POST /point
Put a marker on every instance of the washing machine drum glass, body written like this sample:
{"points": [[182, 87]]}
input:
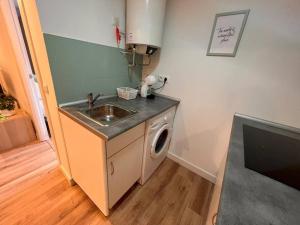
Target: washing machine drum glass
{"points": [[161, 141]]}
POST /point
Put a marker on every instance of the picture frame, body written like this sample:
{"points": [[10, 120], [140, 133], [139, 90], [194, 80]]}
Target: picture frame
{"points": [[227, 32]]}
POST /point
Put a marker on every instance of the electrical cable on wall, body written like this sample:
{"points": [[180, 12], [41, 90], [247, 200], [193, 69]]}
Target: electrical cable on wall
{"points": [[164, 83]]}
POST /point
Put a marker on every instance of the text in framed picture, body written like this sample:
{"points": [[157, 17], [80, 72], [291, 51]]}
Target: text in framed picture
{"points": [[226, 33]]}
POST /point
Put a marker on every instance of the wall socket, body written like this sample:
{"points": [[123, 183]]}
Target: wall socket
{"points": [[162, 77]]}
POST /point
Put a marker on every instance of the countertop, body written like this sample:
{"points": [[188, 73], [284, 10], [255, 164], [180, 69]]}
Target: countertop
{"points": [[249, 198], [146, 109]]}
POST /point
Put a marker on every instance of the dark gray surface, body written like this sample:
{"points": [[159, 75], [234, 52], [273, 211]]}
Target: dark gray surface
{"points": [[250, 198], [146, 109]]}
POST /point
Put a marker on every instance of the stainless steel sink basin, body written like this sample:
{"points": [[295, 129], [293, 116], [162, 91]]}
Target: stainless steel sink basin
{"points": [[107, 114]]}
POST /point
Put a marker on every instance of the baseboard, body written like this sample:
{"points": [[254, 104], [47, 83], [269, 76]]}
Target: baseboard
{"points": [[67, 175], [197, 170]]}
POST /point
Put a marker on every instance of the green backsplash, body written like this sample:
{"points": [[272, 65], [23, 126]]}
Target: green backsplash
{"points": [[80, 67]]}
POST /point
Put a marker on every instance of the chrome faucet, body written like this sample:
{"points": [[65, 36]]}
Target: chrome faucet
{"points": [[92, 100]]}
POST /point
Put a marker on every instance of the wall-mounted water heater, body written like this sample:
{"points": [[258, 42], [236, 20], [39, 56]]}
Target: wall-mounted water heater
{"points": [[144, 25]]}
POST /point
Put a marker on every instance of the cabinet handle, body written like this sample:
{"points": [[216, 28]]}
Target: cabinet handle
{"points": [[214, 219], [112, 168]]}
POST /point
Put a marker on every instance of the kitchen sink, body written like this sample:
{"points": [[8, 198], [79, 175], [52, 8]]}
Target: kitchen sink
{"points": [[107, 114]]}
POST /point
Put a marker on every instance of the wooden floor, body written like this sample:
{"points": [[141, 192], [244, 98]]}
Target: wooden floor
{"points": [[34, 191]]}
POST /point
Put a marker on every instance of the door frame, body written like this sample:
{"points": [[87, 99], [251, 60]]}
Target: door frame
{"points": [[14, 31], [34, 35]]}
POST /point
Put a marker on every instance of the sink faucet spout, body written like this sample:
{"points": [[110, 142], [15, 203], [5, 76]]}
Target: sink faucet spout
{"points": [[92, 100]]}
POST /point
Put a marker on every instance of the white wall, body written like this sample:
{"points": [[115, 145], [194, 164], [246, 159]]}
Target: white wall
{"points": [[86, 20], [262, 80]]}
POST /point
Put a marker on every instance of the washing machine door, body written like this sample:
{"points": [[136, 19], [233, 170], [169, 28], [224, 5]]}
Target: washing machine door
{"points": [[161, 141]]}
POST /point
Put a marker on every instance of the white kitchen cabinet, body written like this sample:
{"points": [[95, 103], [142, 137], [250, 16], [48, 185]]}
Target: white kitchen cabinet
{"points": [[104, 170], [87, 159], [124, 169], [118, 143]]}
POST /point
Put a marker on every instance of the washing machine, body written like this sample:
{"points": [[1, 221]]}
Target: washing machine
{"points": [[157, 141]]}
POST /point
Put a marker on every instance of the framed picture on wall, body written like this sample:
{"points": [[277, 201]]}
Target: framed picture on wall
{"points": [[226, 33]]}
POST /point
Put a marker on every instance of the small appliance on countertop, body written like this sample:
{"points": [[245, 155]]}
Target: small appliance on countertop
{"points": [[146, 85]]}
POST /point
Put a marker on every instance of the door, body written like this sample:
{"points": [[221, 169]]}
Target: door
{"points": [[124, 169], [36, 44], [8, 9]]}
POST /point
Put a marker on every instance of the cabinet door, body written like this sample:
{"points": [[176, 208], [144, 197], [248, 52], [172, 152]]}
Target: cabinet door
{"points": [[87, 159], [124, 169]]}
